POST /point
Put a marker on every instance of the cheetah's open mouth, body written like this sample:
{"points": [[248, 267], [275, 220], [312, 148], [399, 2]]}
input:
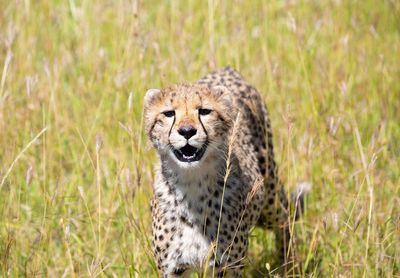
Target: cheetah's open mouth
{"points": [[189, 153]]}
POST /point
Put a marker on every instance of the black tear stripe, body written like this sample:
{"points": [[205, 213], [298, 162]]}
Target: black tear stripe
{"points": [[205, 130]]}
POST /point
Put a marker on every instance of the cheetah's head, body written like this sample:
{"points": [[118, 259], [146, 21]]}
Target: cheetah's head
{"points": [[189, 124]]}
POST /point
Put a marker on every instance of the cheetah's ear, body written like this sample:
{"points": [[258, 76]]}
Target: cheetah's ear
{"points": [[150, 96], [220, 90], [223, 94], [226, 101]]}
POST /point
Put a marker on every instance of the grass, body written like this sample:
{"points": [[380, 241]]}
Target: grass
{"points": [[76, 169]]}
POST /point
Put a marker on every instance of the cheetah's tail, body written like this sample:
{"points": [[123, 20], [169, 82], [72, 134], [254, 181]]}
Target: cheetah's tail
{"points": [[297, 197]]}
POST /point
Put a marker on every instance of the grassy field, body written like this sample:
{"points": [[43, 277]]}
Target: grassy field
{"points": [[76, 168]]}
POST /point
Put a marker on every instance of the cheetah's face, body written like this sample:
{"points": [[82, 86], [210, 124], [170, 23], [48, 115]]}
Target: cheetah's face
{"points": [[189, 123]]}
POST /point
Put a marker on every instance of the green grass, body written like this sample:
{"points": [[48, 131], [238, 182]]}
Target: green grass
{"points": [[73, 75]]}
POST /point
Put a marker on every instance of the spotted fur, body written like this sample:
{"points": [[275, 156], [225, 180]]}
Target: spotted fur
{"points": [[202, 213]]}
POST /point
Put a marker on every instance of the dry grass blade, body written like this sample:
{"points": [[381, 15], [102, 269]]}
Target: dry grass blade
{"points": [[231, 142], [19, 156]]}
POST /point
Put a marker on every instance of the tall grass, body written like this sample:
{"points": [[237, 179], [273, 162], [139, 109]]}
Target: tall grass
{"points": [[73, 71]]}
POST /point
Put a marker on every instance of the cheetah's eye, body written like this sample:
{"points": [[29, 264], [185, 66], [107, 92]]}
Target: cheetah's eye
{"points": [[169, 114], [203, 111]]}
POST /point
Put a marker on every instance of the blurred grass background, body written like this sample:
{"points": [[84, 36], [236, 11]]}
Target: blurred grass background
{"points": [[76, 169]]}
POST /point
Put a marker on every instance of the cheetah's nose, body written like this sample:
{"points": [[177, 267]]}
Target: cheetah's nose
{"points": [[187, 131]]}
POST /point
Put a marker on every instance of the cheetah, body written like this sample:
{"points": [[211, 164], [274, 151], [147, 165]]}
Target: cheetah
{"points": [[216, 177]]}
